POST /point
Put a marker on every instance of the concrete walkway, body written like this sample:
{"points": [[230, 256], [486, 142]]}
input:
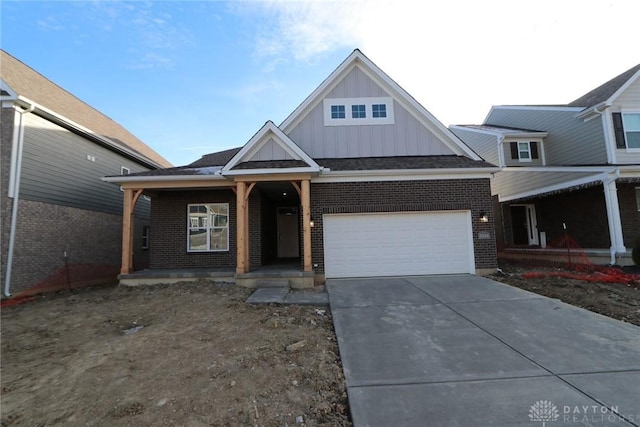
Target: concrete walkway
{"points": [[468, 351]]}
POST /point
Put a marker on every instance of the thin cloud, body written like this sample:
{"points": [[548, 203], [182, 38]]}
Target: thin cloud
{"points": [[50, 23]]}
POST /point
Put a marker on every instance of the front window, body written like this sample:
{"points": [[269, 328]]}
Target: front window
{"points": [[631, 124], [208, 227]]}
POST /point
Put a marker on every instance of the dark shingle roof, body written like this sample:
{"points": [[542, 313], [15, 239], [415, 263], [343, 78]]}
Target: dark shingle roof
{"points": [[604, 92], [405, 162], [219, 158]]}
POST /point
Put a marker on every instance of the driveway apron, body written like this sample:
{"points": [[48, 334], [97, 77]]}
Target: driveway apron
{"points": [[464, 350]]}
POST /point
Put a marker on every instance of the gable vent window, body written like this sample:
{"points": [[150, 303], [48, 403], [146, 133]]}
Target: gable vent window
{"points": [[524, 151], [626, 127], [337, 112], [363, 111]]}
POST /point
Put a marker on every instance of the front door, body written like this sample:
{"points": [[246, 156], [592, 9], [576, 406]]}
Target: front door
{"points": [[288, 233], [524, 225]]}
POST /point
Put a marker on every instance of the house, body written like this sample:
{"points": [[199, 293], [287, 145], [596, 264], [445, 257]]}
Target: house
{"points": [[571, 169], [60, 223], [359, 180]]}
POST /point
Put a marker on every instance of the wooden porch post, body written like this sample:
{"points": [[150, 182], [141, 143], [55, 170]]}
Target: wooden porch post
{"points": [[241, 220], [129, 203], [305, 198]]}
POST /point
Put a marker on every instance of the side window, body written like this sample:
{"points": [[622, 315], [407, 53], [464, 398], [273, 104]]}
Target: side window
{"points": [[524, 151], [146, 231], [626, 128]]}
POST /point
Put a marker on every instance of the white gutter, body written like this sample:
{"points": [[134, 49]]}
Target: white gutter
{"points": [[19, 138], [163, 178]]}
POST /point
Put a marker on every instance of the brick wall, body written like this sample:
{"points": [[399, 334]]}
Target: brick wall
{"points": [[169, 230], [6, 137], [91, 240], [361, 197], [629, 214]]}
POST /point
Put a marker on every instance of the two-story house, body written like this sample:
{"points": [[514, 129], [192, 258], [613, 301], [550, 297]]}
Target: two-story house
{"points": [[60, 223], [360, 180], [571, 169]]}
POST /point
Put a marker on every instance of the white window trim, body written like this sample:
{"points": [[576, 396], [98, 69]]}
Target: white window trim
{"points": [[521, 159], [624, 130], [146, 233], [367, 120], [208, 227]]}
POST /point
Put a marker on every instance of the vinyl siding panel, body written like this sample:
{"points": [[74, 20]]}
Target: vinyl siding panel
{"points": [[271, 150], [629, 100], [507, 184], [570, 141], [484, 144], [406, 137], [55, 170], [506, 149]]}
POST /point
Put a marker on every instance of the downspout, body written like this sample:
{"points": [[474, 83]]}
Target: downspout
{"points": [[16, 195]]}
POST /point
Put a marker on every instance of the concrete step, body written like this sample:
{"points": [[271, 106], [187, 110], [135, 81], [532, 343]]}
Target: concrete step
{"points": [[272, 283]]}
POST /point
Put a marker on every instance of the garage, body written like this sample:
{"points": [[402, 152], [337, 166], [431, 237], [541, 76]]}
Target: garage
{"points": [[398, 244]]}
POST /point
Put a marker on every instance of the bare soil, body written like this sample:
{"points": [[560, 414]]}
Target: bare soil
{"points": [[617, 300], [168, 355]]}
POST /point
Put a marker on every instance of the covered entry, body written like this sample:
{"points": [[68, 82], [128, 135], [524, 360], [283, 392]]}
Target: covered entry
{"points": [[392, 244]]}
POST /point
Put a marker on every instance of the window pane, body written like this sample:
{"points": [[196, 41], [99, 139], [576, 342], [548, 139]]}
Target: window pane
{"points": [[220, 221], [337, 112], [358, 112], [631, 122], [379, 110], [633, 139], [198, 239], [219, 239]]}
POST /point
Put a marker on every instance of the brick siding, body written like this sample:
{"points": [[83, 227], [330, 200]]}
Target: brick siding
{"points": [[629, 213]]}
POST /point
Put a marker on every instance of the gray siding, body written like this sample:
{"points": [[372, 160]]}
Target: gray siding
{"points": [[570, 141], [55, 170], [484, 144], [407, 137], [507, 184]]}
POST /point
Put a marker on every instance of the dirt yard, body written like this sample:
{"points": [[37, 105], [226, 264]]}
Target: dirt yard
{"points": [[188, 355], [615, 300]]}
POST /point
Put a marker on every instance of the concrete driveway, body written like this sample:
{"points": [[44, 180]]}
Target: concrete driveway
{"points": [[468, 351]]}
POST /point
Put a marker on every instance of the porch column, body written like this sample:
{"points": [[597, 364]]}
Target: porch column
{"points": [[613, 217], [305, 199], [242, 222], [128, 206]]}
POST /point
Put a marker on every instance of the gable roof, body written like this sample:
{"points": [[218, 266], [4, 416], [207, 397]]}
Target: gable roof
{"points": [[606, 91], [358, 59], [33, 86], [270, 133]]}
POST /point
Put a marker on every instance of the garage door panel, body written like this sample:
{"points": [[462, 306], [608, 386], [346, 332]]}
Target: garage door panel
{"points": [[398, 244]]}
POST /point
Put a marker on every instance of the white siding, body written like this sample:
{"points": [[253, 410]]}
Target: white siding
{"points": [[407, 137], [628, 100], [271, 150]]}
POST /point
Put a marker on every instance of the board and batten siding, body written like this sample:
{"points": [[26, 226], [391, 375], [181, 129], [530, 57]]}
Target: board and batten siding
{"points": [[406, 137], [56, 170], [508, 184], [484, 144], [570, 141]]}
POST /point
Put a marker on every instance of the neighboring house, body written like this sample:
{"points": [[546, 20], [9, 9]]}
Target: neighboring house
{"points": [[575, 166], [66, 227], [360, 180]]}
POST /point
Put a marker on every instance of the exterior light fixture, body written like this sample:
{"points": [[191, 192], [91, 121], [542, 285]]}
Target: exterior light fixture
{"points": [[484, 217]]}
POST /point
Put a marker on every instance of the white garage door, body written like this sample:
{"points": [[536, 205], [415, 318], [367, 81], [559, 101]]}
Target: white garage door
{"points": [[397, 244]]}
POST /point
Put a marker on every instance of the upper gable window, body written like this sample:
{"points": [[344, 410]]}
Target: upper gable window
{"points": [[379, 110], [337, 112], [363, 111], [626, 127], [358, 111]]}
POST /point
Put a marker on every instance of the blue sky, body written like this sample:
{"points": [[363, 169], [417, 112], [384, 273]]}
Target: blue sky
{"points": [[194, 77]]}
